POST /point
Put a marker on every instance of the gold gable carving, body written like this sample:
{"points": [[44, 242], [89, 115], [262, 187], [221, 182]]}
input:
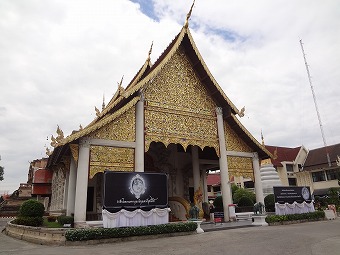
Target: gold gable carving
{"points": [[240, 166], [178, 108], [120, 129], [74, 151], [110, 158], [233, 141]]}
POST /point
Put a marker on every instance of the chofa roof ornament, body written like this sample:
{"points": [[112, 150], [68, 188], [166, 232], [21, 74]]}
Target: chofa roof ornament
{"points": [[186, 24]]}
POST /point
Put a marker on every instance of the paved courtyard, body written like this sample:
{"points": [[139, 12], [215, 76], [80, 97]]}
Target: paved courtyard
{"points": [[317, 238]]}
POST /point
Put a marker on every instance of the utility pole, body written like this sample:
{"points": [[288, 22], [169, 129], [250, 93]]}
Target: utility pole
{"points": [[316, 105]]}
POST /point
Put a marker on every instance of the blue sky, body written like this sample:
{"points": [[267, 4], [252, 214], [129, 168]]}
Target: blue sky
{"points": [[59, 57]]}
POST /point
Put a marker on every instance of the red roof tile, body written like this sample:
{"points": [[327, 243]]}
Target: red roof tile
{"points": [[317, 158], [214, 180], [283, 154]]}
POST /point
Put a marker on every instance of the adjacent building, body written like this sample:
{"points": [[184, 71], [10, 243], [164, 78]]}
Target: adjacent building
{"points": [[320, 173]]}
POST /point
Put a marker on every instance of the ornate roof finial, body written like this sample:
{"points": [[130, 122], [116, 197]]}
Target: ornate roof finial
{"points": [[60, 133], [97, 111], [80, 127], [48, 151], [103, 104], [53, 141], [262, 138], [186, 24], [241, 113], [120, 83], [149, 54]]}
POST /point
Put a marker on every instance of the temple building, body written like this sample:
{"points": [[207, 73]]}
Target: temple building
{"points": [[173, 118]]}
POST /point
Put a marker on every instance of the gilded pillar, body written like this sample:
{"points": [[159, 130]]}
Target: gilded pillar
{"points": [[82, 182], [225, 184], [139, 150], [257, 178], [71, 191]]}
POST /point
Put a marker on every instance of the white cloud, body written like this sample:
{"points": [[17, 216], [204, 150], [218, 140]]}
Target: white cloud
{"points": [[59, 57]]}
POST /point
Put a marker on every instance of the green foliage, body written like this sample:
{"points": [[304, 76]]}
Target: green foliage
{"points": [[65, 220], [104, 233], [243, 193], [292, 217], [218, 202], [269, 202], [2, 171], [29, 221], [32, 208], [245, 201], [234, 188], [53, 224], [333, 196]]}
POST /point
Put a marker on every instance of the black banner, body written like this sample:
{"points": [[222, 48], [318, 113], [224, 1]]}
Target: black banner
{"points": [[132, 190], [292, 194]]}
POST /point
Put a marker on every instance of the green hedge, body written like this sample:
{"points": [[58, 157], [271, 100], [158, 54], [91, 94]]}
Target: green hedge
{"points": [[105, 233], [65, 220], [292, 217], [29, 221]]}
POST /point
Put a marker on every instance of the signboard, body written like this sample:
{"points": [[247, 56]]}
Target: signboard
{"points": [[292, 194], [132, 190]]}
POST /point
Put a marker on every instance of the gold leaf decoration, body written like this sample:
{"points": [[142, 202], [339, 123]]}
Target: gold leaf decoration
{"points": [[233, 141], [121, 129], [178, 108], [240, 166], [110, 158]]}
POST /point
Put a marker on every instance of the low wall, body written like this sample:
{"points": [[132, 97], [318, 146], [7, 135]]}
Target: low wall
{"points": [[49, 236]]}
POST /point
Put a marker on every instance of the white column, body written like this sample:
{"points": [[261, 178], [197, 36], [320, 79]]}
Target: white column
{"points": [[71, 191], [205, 187], [225, 184], [195, 167], [82, 181], [257, 177], [139, 150]]}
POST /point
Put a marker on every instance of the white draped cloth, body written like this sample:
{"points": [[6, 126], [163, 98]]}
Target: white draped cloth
{"points": [[295, 208], [138, 217]]}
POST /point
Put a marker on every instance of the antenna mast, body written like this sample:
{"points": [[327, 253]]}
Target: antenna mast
{"points": [[316, 105]]}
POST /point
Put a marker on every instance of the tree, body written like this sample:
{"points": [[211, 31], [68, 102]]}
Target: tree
{"points": [[243, 193], [2, 173]]}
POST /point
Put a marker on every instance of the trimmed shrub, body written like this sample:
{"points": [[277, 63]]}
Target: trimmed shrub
{"points": [[245, 201], [32, 208], [29, 221], [30, 214], [105, 233], [65, 220], [269, 202], [317, 215]]}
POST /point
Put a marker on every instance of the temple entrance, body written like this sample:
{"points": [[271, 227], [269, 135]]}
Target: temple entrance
{"points": [[183, 180]]}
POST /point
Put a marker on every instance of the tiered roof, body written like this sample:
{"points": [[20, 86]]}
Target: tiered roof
{"points": [[124, 99]]}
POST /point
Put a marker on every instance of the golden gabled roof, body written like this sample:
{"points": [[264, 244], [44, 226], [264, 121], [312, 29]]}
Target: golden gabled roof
{"points": [[102, 122], [185, 38]]}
